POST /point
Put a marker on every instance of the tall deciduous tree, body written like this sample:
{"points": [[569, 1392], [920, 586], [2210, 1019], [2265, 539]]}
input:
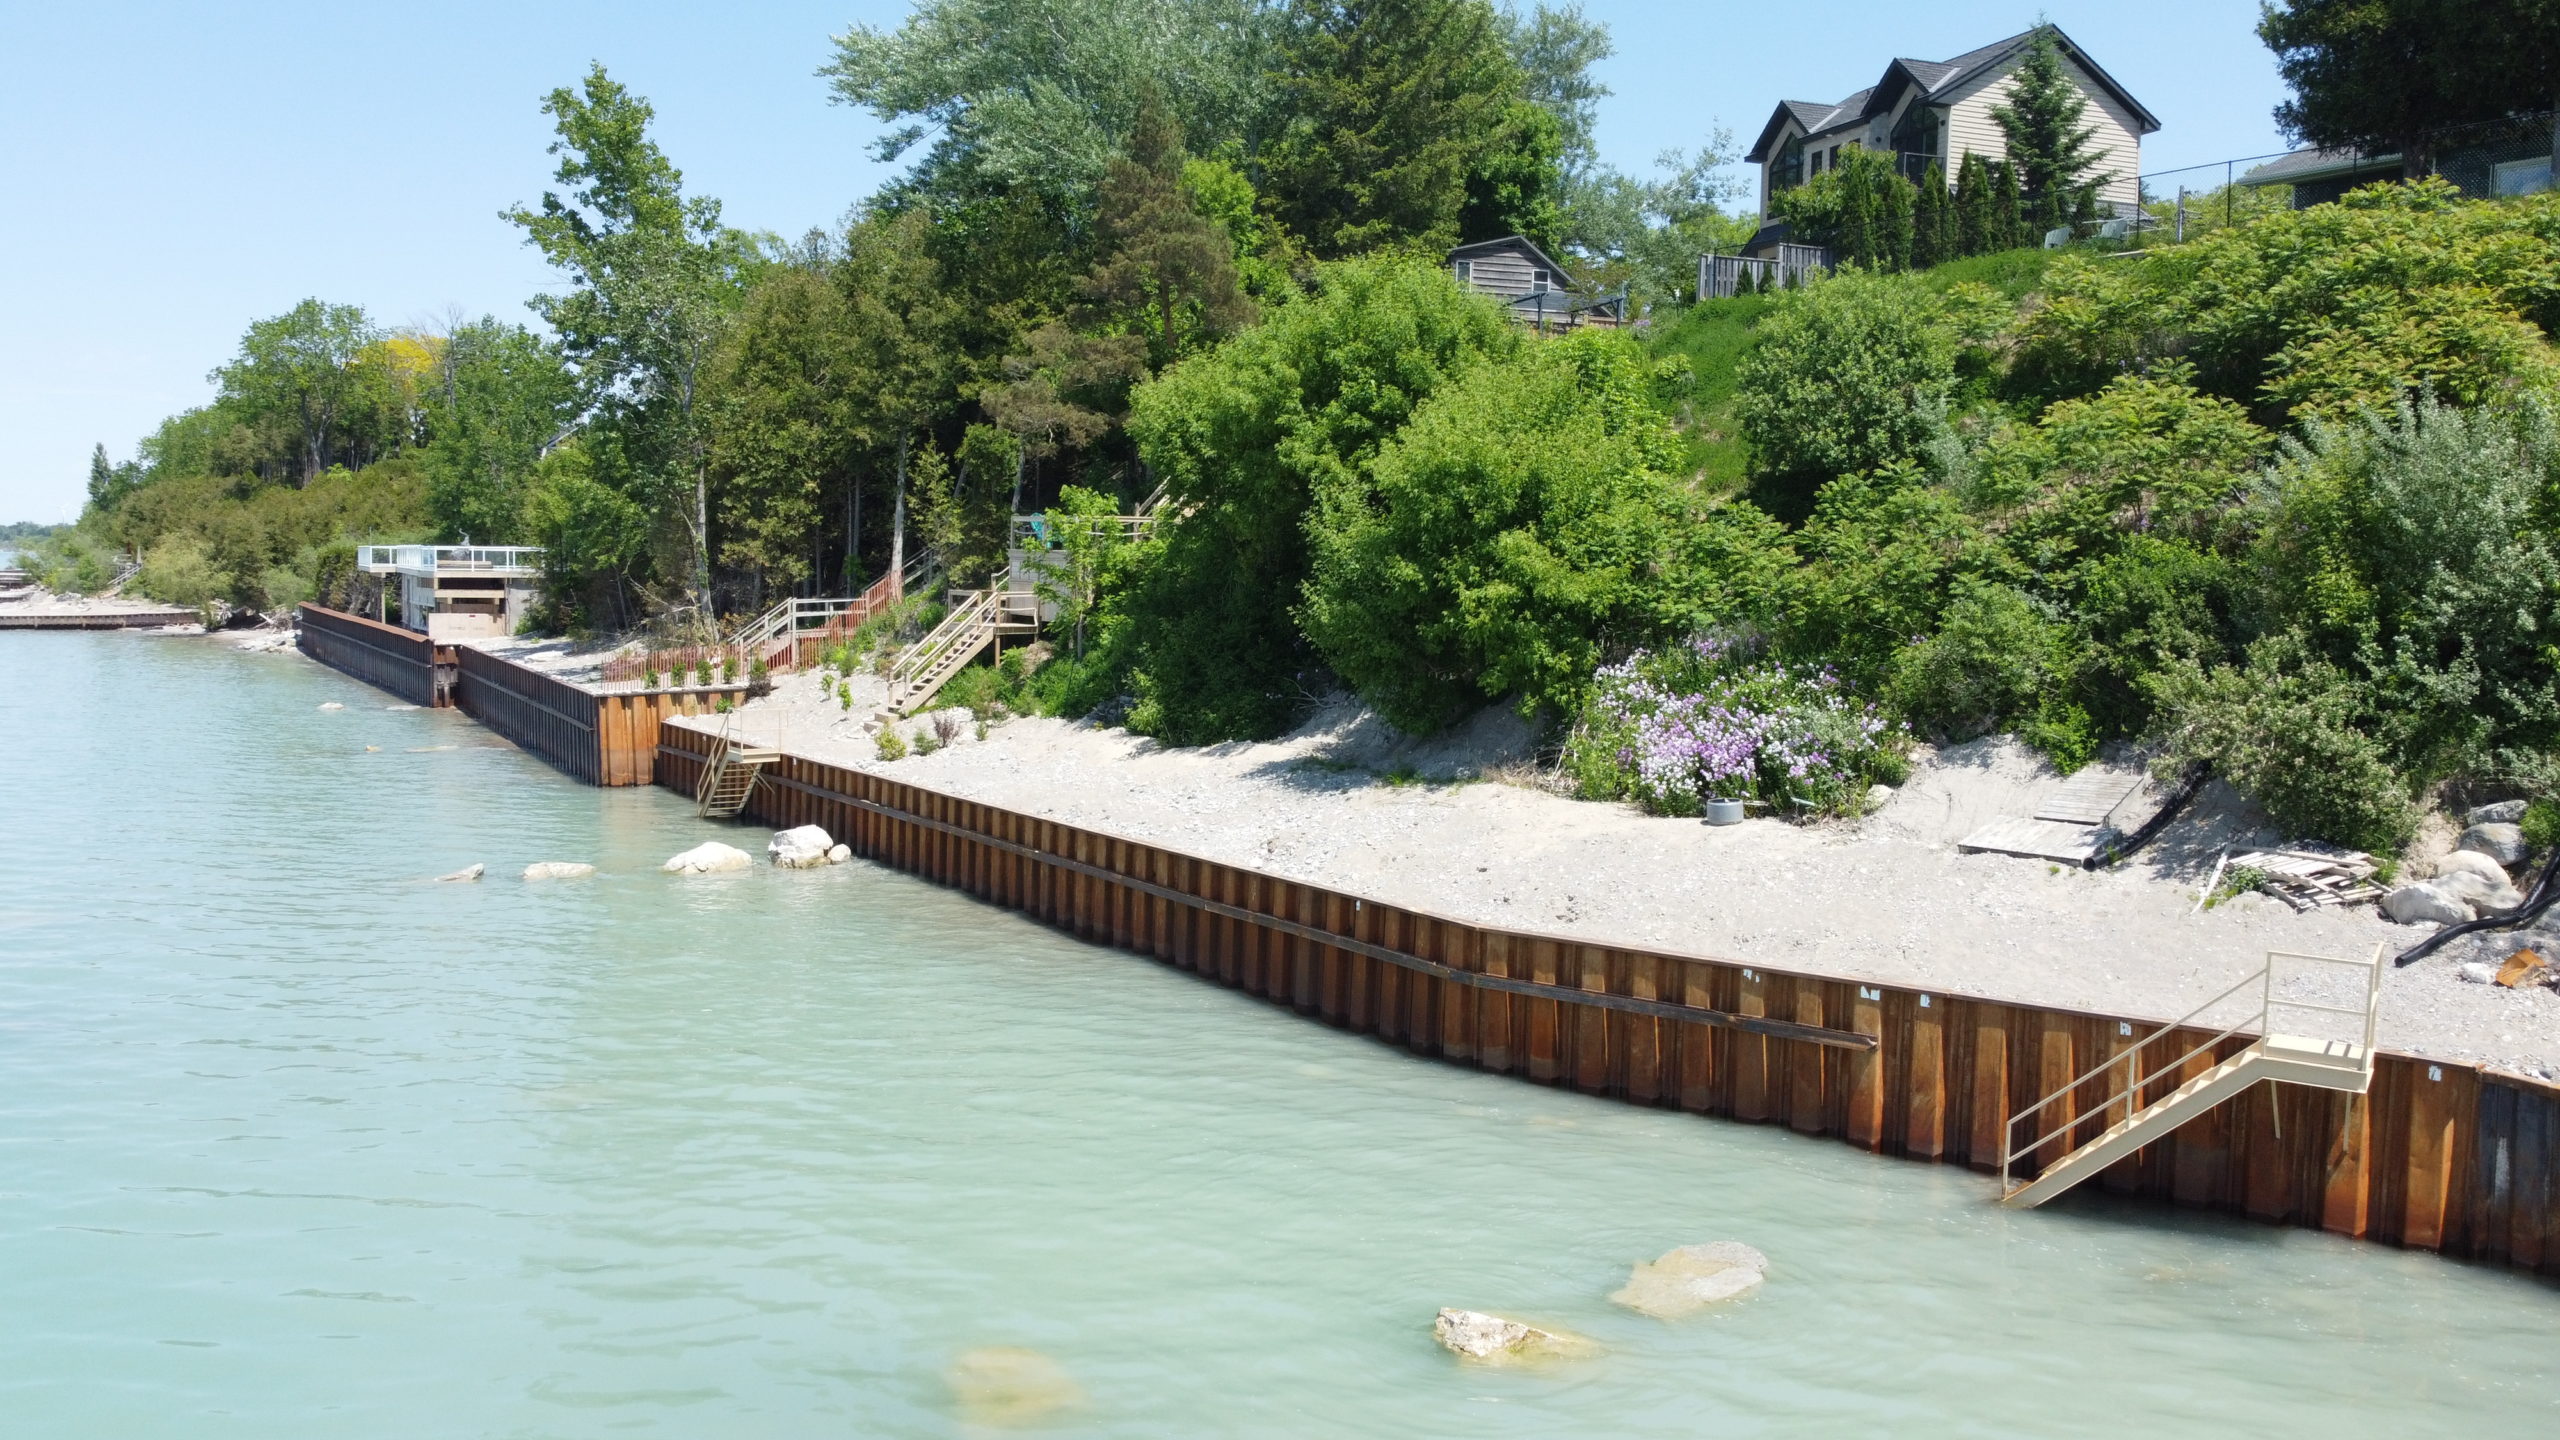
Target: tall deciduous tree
{"points": [[655, 279], [1390, 106], [498, 398], [2049, 149], [2384, 75], [1038, 95], [298, 369]]}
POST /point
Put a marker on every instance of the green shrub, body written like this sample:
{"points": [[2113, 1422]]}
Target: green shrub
{"points": [[1843, 376], [1521, 526], [1240, 437], [2291, 732], [889, 745], [2541, 825]]}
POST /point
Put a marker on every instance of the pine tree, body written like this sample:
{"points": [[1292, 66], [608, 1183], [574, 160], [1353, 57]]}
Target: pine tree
{"points": [[1897, 218], [1168, 272], [2008, 218], [1929, 217], [1858, 240], [1974, 233], [2049, 150], [1391, 108]]}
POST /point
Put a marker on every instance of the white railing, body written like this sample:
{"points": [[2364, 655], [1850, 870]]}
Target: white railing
{"points": [[512, 560], [1040, 532], [827, 615], [2258, 1024]]}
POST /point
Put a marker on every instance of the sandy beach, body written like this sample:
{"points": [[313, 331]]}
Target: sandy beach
{"points": [[1349, 803]]}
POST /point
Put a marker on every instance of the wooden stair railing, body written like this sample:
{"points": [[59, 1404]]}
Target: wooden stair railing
{"points": [[979, 619], [729, 776]]}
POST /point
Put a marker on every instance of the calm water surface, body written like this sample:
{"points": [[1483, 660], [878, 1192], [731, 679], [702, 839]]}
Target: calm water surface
{"points": [[294, 1143]]}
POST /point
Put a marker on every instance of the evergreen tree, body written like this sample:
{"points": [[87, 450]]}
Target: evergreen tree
{"points": [[1897, 218], [1859, 237], [2049, 150], [102, 476], [1930, 230], [2008, 217], [1392, 108], [1168, 272], [1976, 231]]}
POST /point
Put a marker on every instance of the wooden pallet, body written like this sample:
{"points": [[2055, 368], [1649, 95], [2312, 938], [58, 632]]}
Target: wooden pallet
{"points": [[2089, 797]]}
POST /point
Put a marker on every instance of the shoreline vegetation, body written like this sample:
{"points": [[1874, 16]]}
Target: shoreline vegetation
{"points": [[2277, 501]]}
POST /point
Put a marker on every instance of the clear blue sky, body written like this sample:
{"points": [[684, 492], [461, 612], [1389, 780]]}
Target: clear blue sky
{"points": [[177, 170]]}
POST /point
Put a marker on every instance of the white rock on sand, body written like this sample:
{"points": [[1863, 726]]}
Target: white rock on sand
{"points": [[1692, 1278], [1009, 1385], [2471, 862], [1494, 1340], [467, 872], [802, 847], [708, 858], [2426, 903], [558, 870]]}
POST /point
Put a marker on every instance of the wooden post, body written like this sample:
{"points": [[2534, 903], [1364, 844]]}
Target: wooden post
{"points": [[1925, 1123]]}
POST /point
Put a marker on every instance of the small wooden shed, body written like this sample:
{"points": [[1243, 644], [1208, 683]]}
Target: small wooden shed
{"points": [[1539, 291]]}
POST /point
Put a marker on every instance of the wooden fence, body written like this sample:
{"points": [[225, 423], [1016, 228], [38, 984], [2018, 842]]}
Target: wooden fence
{"points": [[2439, 1156], [601, 737], [403, 662]]}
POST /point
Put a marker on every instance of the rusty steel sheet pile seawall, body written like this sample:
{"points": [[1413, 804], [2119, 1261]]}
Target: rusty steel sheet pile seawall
{"points": [[2438, 1156]]}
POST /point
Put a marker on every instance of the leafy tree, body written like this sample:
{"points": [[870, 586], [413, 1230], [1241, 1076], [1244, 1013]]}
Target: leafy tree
{"points": [[1038, 95], [2382, 75], [784, 391], [1390, 107], [1523, 526], [904, 322], [2049, 151], [1555, 48], [1515, 186], [1648, 234], [296, 375], [1241, 437], [497, 398], [1090, 540], [655, 279], [1269, 261]]}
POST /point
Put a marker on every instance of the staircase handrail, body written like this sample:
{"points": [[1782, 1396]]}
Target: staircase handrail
{"points": [[964, 620], [2130, 1096]]}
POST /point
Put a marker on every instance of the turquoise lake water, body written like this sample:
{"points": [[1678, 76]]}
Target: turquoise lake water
{"points": [[296, 1143]]}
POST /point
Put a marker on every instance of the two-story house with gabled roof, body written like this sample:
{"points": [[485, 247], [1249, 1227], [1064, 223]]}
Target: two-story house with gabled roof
{"points": [[1928, 112]]}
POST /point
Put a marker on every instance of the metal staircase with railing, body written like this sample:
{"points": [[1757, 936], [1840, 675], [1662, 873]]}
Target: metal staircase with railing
{"points": [[729, 776], [977, 620], [2125, 1121]]}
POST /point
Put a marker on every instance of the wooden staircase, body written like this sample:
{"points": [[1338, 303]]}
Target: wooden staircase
{"points": [[2131, 1122], [980, 619], [729, 776]]}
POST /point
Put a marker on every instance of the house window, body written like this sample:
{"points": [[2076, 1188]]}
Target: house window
{"points": [[1788, 171], [2521, 177], [1539, 282], [1466, 272]]}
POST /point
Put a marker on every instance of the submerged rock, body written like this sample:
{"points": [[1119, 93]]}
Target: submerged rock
{"points": [[1692, 1278], [801, 847], [467, 872], [2499, 840], [331, 705], [558, 870], [1009, 1385], [708, 858], [2424, 904], [1495, 1340]]}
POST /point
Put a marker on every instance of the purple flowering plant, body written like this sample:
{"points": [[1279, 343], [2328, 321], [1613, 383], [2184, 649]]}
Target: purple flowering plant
{"points": [[1714, 718]]}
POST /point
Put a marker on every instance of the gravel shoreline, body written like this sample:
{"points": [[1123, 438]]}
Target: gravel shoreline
{"points": [[1885, 898]]}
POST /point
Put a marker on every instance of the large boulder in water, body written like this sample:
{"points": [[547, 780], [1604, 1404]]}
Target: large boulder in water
{"points": [[801, 847], [558, 870], [708, 858], [1008, 1385], [1494, 1340], [1692, 1278]]}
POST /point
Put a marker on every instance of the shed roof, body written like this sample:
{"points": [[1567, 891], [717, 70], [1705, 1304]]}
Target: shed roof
{"points": [[2314, 163], [1514, 242]]}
